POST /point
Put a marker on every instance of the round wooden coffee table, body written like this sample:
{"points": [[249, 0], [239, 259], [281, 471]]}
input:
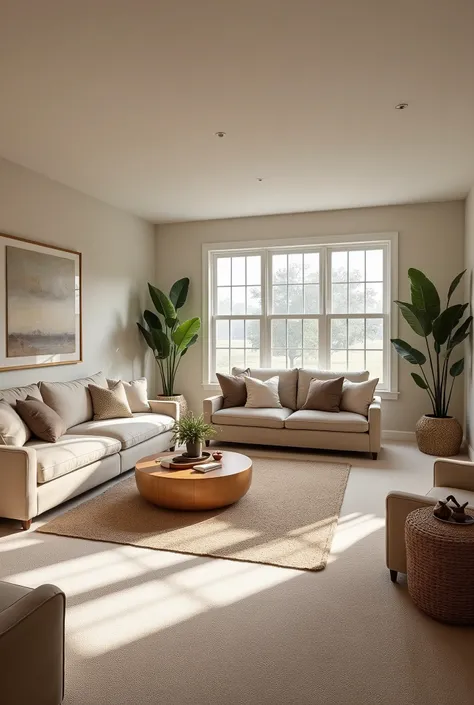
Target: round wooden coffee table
{"points": [[189, 490]]}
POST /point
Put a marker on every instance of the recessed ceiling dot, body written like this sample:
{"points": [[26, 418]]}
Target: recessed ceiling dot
{"points": [[220, 134], [401, 106], [259, 178]]}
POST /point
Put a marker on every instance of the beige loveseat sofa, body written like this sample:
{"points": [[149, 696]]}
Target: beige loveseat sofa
{"points": [[40, 475], [292, 425], [454, 477]]}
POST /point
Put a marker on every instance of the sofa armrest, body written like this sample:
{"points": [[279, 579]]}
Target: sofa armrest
{"points": [[375, 425], [398, 507], [211, 405], [32, 647], [18, 482], [454, 473], [168, 408]]}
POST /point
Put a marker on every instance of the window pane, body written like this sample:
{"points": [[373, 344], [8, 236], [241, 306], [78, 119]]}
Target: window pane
{"points": [[238, 271], [237, 333], [253, 269], [374, 298], [223, 300], [339, 266], [310, 334], [238, 299], [339, 298], [295, 269], [222, 334], [357, 266], [295, 357], [310, 358], [278, 333], [252, 357], [338, 360], [374, 333], [254, 300], [311, 298], [311, 268], [374, 363], [374, 265], [237, 357], [279, 267], [278, 357], [295, 333], [280, 299], [356, 298], [223, 271], [295, 298], [356, 333], [339, 333], [252, 335], [222, 361], [356, 360]]}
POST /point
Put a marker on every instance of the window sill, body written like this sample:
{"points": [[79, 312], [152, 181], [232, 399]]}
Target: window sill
{"points": [[383, 394]]}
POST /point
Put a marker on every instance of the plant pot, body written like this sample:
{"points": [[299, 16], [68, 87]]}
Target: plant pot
{"points": [[194, 450], [183, 404], [439, 436]]}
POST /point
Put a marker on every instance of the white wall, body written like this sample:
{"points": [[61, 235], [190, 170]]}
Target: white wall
{"points": [[118, 260], [431, 237], [469, 374]]}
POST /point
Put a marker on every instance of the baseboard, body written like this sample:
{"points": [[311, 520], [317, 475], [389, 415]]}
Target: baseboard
{"points": [[407, 436], [470, 451]]}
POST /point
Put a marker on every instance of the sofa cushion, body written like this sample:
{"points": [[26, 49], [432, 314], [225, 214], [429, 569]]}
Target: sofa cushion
{"points": [[109, 403], [129, 432], [233, 389], [461, 495], [358, 396], [287, 384], [262, 395], [41, 419], [14, 394], [344, 421], [244, 416], [324, 395], [305, 375], [13, 430], [137, 394], [71, 400], [70, 453]]}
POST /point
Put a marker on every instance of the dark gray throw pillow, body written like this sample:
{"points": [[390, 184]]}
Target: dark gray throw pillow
{"points": [[324, 395], [41, 419], [233, 388]]}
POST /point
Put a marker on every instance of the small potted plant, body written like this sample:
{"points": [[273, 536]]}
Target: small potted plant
{"points": [[193, 431]]}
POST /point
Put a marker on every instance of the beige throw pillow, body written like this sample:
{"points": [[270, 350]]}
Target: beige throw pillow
{"points": [[72, 400], [13, 431], [262, 395], [324, 395], [233, 389], [43, 422], [137, 394], [109, 403], [358, 396]]}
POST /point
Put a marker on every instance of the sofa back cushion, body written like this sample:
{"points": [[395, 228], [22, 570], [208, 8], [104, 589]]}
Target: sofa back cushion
{"points": [[13, 430], [305, 375], [72, 400], [14, 394], [288, 380]]}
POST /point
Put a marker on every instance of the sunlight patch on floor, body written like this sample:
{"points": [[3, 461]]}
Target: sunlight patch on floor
{"points": [[354, 530]]}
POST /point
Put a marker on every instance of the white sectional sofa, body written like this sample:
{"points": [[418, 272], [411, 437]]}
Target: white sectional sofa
{"points": [[292, 425], [39, 475]]}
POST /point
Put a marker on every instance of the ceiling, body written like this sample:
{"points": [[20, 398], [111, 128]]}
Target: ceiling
{"points": [[120, 99]]}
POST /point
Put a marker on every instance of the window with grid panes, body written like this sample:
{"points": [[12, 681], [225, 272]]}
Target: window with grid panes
{"points": [[323, 307]]}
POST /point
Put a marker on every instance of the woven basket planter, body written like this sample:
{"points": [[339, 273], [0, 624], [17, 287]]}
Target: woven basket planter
{"points": [[436, 436], [183, 404]]}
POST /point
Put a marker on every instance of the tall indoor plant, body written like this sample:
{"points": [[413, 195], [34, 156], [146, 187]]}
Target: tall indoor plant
{"points": [[168, 338], [443, 331]]}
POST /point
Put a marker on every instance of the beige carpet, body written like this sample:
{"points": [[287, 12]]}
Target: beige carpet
{"points": [[287, 518]]}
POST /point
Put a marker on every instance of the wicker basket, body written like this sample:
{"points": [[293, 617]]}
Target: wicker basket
{"points": [[440, 567], [183, 404], [437, 436]]}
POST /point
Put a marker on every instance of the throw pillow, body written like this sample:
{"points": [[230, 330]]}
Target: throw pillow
{"points": [[109, 403], [262, 395], [137, 394], [13, 431], [43, 422], [358, 396], [324, 395], [233, 388]]}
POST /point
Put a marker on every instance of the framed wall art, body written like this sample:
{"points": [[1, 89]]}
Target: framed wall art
{"points": [[41, 304]]}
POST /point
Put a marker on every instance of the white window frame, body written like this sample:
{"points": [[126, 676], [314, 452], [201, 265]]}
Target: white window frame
{"points": [[386, 240]]}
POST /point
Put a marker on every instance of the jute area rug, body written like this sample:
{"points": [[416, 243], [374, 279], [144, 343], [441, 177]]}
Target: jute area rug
{"points": [[287, 518]]}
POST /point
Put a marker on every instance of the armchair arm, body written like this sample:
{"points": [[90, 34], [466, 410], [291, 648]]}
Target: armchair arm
{"points": [[398, 507], [454, 473], [211, 405], [18, 482], [169, 408], [32, 644], [375, 425]]}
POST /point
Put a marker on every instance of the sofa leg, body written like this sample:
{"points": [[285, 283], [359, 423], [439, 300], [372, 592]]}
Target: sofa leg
{"points": [[375, 456], [393, 575], [25, 524], [208, 443], [172, 448]]}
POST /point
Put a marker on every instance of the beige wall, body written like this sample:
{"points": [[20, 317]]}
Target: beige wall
{"points": [[118, 259], [469, 374], [431, 237]]}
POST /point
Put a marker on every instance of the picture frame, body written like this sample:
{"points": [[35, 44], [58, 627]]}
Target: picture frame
{"points": [[41, 303]]}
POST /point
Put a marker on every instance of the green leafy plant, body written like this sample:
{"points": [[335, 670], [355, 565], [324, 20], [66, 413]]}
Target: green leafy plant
{"points": [[192, 429], [168, 338], [442, 331]]}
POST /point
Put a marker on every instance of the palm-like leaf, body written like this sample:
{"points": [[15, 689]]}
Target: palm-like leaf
{"points": [[179, 292], [418, 320], [185, 332], [407, 352], [454, 284], [447, 321], [424, 295], [162, 303]]}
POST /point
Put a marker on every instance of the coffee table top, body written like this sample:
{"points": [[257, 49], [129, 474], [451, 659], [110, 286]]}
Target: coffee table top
{"points": [[232, 464]]}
